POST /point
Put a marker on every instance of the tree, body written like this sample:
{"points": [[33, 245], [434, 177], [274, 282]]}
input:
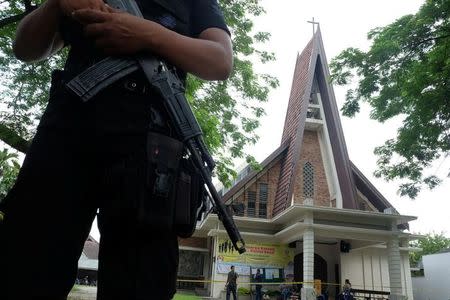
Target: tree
{"points": [[228, 111], [9, 168], [432, 243], [405, 73]]}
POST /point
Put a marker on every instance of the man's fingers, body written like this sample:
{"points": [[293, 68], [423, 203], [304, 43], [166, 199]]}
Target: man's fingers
{"points": [[112, 9], [103, 8], [88, 16]]}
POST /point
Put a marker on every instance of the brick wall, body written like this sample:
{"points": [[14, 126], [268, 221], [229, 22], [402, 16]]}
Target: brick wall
{"points": [[362, 203], [310, 151], [270, 177], [194, 242]]}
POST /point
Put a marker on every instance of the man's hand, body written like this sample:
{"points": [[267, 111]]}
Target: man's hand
{"points": [[67, 7], [115, 32]]}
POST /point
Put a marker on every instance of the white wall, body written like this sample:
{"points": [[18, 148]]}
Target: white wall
{"points": [[86, 263], [406, 276], [436, 283], [420, 288], [368, 269]]}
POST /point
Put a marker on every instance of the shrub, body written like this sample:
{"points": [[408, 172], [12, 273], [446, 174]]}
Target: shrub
{"points": [[243, 291]]}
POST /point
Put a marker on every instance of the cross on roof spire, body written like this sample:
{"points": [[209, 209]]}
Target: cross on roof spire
{"points": [[313, 24]]}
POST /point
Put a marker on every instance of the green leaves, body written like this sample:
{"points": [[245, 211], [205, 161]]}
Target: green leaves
{"points": [[406, 72], [351, 106], [228, 112], [432, 243], [9, 169], [25, 86]]}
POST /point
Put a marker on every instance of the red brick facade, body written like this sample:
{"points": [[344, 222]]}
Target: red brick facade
{"points": [[270, 177], [310, 152]]}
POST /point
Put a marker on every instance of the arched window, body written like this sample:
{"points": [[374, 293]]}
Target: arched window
{"points": [[308, 180]]}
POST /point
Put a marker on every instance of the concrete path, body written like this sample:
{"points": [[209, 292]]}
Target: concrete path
{"points": [[83, 292]]}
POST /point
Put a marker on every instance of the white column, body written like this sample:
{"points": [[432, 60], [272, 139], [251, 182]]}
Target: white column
{"points": [[213, 264], [395, 269], [308, 260], [209, 264]]}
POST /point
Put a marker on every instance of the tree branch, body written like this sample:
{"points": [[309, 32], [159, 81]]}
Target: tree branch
{"points": [[432, 38], [8, 20], [12, 19], [412, 46], [14, 140], [28, 6]]}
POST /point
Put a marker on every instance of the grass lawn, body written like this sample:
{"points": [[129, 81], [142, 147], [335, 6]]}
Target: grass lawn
{"points": [[185, 297], [80, 293], [75, 288]]}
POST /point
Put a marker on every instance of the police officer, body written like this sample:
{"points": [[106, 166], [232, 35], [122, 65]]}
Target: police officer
{"points": [[90, 158], [231, 284], [258, 286]]}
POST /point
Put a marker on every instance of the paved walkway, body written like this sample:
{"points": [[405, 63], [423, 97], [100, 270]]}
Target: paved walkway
{"points": [[83, 292]]}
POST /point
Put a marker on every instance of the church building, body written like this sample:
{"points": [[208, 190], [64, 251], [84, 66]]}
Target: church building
{"points": [[308, 216]]}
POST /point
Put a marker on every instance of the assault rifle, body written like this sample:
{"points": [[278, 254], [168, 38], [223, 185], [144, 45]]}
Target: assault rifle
{"points": [[101, 75]]}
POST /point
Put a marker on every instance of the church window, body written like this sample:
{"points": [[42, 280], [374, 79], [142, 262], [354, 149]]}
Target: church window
{"points": [[314, 98], [308, 180], [362, 206], [238, 208], [251, 203], [263, 195]]}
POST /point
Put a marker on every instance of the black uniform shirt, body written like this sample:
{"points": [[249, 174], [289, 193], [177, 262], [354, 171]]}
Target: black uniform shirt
{"points": [[187, 17], [114, 110], [232, 278]]}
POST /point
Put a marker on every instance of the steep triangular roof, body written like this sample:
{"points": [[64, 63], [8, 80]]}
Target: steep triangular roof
{"points": [[369, 190], [91, 248], [275, 155], [312, 63], [311, 72]]}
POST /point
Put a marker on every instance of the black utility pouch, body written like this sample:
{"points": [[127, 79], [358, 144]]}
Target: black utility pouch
{"points": [[156, 211], [189, 199]]}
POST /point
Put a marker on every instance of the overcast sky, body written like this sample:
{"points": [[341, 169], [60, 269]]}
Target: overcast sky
{"points": [[344, 24]]}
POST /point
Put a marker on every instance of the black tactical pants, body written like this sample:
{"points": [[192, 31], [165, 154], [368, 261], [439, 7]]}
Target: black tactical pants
{"points": [[86, 158]]}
